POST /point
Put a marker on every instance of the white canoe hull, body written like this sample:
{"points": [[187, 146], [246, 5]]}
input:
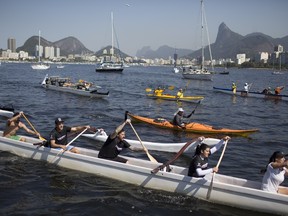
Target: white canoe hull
{"points": [[6, 113], [155, 146], [227, 190]]}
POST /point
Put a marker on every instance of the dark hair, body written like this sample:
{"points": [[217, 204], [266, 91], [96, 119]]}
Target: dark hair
{"points": [[201, 147], [276, 154], [121, 131], [15, 114]]}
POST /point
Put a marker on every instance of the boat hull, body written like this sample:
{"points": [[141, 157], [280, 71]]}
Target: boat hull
{"points": [[109, 67], [193, 127], [111, 70], [174, 98], [93, 93], [198, 76], [252, 94], [40, 67], [227, 190]]}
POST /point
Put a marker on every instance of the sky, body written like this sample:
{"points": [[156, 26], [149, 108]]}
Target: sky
{"points": [[138, 23]]}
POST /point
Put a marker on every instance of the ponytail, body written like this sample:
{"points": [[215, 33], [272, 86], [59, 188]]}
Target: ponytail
{"points": [[200, 148]]}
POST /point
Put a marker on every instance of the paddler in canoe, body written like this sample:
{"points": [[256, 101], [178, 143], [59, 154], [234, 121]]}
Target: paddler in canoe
{"points": [[180, 94], [158, 91]]}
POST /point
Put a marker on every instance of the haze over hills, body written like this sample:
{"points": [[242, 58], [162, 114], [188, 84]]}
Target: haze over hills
{"points": [[227, 45], [162, 52]]}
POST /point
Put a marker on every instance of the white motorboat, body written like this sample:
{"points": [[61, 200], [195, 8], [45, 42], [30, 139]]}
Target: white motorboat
{"points": [[64, 85]]}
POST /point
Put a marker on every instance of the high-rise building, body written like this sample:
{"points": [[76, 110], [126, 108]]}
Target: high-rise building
{"points": [[11, 44], [278, 48]]}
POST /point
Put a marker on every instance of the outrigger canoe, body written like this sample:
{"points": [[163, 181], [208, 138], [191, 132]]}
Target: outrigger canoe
{"points": [[6, 111], [101, 136], [63, 84], [174, 98], [193, 127], [226, 190], [252, 94]]}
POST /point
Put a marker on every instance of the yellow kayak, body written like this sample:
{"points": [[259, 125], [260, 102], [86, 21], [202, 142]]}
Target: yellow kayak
{"points": [[192, 127], [174, 98]]}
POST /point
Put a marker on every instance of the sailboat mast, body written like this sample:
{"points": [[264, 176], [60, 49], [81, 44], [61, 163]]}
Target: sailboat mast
{"points": [[112, 26], [39, 47], [202, 47]]}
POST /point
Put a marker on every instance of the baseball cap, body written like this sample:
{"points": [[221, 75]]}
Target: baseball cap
{"points": [[58, 120]]}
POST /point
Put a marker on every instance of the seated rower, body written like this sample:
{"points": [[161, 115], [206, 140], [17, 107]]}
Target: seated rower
{"points": [[199, 164], [115, 143], [180, 93], [178, 118], [278, 90], [158, 91], [13, 125]]}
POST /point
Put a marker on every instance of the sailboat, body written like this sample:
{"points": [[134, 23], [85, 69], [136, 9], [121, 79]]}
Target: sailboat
{"points": [[278, 72], [201, 73], [40, 65], [108, 65]]}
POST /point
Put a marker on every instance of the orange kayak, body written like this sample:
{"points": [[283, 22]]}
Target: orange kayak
{"points": [[193, 127]]}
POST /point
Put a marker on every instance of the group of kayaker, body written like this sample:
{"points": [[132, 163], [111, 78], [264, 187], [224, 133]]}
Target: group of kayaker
{"points": [[267, 90], [275, 171]]}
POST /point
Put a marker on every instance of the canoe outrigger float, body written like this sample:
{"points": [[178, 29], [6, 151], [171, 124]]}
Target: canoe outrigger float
{"points": [[270, 96], [227, 190], [101, 136], [192, 127], [175, 98]]}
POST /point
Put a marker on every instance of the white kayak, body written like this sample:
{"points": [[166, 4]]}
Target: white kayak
{"points": [[101, 136]]}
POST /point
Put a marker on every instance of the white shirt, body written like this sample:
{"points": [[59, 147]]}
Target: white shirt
{"points": [[246, 88], [273, 178]]}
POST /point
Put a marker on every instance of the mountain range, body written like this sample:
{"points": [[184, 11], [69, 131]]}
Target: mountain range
{"points": [[227, 45]]}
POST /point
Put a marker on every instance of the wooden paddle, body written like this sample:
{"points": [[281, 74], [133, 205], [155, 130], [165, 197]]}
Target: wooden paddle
{"points": [[145, 149], [41, 138], [220, 159], [154, 171], [69, 144]]}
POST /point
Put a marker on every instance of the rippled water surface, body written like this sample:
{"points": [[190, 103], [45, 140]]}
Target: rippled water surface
{"points": [[29, 187]]}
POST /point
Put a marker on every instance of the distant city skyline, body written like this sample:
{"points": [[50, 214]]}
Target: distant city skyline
{"points": [[138, 23]]}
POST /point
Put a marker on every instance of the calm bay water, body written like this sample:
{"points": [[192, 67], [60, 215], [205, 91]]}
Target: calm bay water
{"points": [[29, 187]]}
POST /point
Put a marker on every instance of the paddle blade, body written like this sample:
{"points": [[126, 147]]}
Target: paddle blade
{"points": [[171, 87], [148, 89], [151, 158], [210, 187]]}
